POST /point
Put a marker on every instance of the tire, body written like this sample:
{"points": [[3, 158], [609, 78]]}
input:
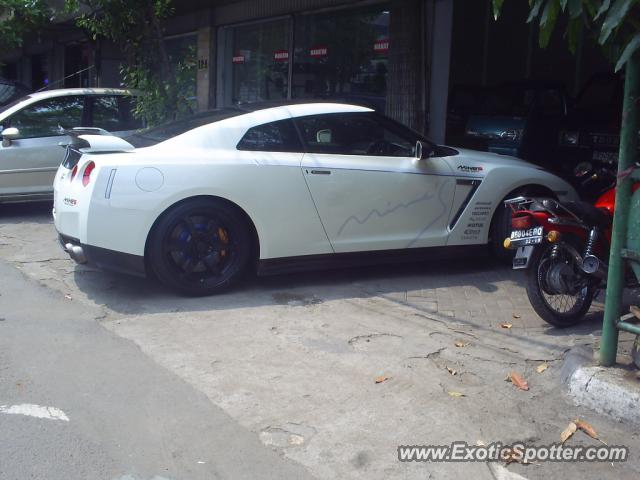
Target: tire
{"points": [[536, 294], [200, 247], [501, 229]]}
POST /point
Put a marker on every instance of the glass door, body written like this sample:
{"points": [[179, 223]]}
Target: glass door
{"points": [[257, 56]]}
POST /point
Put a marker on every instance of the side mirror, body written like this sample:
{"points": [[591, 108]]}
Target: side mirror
{"points": [[423, 151], [9, 134]]}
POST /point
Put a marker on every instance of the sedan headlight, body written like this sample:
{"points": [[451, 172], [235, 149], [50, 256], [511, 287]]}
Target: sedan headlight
{"points": [[513, 134], [569, 138]]}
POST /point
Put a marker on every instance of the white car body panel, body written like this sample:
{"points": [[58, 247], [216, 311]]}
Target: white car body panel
{"points": [[373, 203], [366, 203]]}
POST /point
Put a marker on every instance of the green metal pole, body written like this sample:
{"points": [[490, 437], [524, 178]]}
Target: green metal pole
{"points": [[626, 159]]}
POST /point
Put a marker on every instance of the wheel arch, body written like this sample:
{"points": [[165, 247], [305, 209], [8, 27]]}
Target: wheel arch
{"points": [[255, 253], [528, 189], [495, 238]]}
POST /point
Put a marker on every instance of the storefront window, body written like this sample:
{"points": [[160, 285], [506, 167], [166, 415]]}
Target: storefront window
{"points": [[258, 56], [342, 54], [182, 56]]}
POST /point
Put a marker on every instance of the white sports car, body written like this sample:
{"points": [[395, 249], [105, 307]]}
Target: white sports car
{"points": [[290, 187]]}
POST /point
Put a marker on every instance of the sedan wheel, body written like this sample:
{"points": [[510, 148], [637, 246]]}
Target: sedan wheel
{"points": [[200, 247]]}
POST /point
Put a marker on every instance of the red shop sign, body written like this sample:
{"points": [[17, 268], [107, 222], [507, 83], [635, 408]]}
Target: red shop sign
{"points": [[281, 55], [318, 51], [381, 46], [238, 58]]}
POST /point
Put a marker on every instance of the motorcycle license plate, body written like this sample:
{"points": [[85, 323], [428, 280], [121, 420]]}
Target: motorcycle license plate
{"points": [[523, 255], [526, 236]]}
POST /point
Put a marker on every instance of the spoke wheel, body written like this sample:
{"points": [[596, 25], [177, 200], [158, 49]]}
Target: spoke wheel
{"points": [[200, 247], [558, 291]]}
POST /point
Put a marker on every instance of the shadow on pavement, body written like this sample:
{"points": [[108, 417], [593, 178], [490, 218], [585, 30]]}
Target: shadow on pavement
{"points": [[129, 295], [34, 212]]}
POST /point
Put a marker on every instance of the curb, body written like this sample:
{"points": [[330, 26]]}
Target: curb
{"points": [[610, 391]]}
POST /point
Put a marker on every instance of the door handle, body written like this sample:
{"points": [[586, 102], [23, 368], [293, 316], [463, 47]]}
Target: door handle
{"points": [[320, 172]]}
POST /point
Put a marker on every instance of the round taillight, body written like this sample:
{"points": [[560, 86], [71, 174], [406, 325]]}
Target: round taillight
{"points": [[86, 175], [74, 172]]}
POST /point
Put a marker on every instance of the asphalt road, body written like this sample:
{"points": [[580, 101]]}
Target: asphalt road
{"points": [[114, 413]]}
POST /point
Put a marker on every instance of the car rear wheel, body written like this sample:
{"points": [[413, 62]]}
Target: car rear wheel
{"points": [[200, 247]]}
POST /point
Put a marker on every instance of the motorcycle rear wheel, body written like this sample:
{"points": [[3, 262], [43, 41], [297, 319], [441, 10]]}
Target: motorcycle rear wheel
{"points": [[558, 309]]}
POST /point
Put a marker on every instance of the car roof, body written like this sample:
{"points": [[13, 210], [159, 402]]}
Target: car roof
{"points": [[235, 122], [59, 92], [22, 102]]}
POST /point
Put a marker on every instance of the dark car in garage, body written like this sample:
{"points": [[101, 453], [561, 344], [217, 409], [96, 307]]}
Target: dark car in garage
{"points": [[521, 119], [591, 133]]}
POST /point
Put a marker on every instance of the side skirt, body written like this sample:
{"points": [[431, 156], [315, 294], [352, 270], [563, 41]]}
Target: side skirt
{"points": [[277, 266]]}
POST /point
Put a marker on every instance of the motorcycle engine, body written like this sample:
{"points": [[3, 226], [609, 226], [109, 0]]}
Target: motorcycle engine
{"points": [[561, 280]]}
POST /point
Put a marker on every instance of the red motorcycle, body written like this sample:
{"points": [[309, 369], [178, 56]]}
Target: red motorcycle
{"points": [[565, 249]]}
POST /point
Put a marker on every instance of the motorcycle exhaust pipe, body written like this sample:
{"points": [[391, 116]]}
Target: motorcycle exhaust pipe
{"points": [[591, 265]]}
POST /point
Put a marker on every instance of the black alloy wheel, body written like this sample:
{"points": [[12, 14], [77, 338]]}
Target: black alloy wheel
{"points": [[200, 247]]}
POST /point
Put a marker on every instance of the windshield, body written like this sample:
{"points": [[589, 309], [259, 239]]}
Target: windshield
{"points": [[160, 133]]}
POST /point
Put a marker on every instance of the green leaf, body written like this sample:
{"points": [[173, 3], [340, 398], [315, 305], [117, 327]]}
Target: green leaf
{"points": [[603, 8], [573, 33], [548, 22], [535, 10], [497, 8], [615, 17], [550, 12], [575, 8], [629, 50], [591, 6]]}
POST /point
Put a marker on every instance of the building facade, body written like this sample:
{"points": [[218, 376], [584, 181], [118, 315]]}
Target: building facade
{"points": [[401, 56]]}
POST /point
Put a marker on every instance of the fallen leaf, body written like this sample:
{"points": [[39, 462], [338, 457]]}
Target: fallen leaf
{"points": [[452, 371], [480, 443], [518, 381], [67, 296], [586, 428], [515, 315], [542, 367], [506, 325], [381, 379], [635, 310], [456, 394], [568, 432], [461, 344]]}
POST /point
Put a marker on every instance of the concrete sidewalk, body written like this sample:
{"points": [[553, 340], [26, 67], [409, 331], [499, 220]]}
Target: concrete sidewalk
{"points": [[614, 391]]}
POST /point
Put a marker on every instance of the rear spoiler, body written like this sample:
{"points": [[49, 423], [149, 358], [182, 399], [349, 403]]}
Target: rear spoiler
{"points": [[96, 140]]}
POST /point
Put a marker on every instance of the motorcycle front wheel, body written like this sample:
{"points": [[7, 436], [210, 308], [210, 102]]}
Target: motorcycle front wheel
{"points": [[558, 290]]}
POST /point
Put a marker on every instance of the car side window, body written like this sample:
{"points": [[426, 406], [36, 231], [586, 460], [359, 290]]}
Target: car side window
{"points": [[356, 134], [280, 136], [43, 119], [113, 113]]}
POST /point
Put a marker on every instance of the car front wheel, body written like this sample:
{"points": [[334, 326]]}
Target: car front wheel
{"points": [[200, 247]]}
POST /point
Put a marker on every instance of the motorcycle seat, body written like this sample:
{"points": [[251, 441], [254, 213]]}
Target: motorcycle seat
{"points": [[589, 214]]}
